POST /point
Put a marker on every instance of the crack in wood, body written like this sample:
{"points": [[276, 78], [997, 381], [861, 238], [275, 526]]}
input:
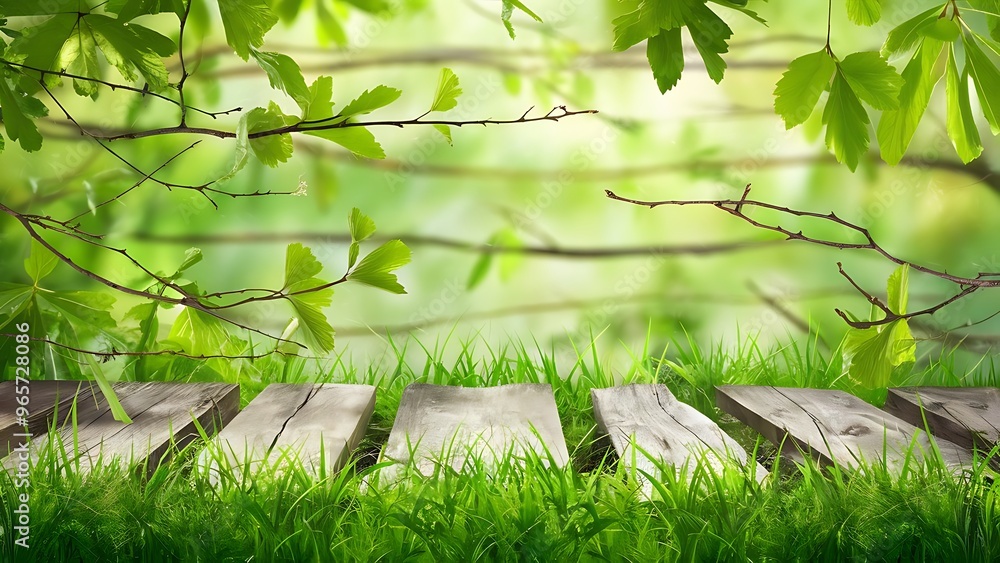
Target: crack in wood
{"points": [[312, 393]]}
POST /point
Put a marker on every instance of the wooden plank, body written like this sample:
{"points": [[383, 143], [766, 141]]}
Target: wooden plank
{"points": [[650, 417], [45, 398], [162, 413], [967, 416], [300, 419], [832, 425], [489, 422]]}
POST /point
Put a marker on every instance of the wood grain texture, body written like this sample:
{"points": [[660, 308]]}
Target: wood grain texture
{"points": [[833, 426], [650, 417], [447, 423], [162, 414], [967, 416], [46, 400], [298, 420]]}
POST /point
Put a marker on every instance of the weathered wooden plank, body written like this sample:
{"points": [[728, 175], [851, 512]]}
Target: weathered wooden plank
{"points": [[440, 421], [969, 416], [300, 419], [650, 417], [832, 425], [162, 413], [45, 399]]}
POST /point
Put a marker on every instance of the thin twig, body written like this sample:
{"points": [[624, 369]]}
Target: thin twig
{"points": [[735, 207]]}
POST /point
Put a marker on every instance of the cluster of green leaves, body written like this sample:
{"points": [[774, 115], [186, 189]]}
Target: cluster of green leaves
{"points": [[82, 320], [68, 40], [874, 353], [71, 317], [933, 37], [659, 23], [318, 118]]}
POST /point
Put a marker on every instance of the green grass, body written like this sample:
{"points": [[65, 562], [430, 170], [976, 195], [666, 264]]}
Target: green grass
{"points": [[592, 510]]}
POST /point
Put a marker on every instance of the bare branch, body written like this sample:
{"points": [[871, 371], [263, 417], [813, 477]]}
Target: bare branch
{"points": [[735, 208]]}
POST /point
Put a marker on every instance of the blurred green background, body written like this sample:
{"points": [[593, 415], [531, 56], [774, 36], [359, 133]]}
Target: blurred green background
{"points": [[530, 185]]}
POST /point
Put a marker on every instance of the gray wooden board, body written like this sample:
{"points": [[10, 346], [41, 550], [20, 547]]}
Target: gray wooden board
{"points": [[650, 417], [832, 425], [967, 416], [298, 420], [440, 421], [45, 399], [160, 412]]}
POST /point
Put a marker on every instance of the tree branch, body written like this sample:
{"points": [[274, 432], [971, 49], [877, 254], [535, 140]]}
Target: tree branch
{"points": [[735, 208], [555, 114]]}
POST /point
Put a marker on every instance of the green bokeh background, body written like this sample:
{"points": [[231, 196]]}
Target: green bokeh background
{"points": [[543, 181]]}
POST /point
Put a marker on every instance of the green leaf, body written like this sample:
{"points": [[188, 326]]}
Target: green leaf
{"points": [[352, 254], [443, 129], [360, 225], [864, 12], [846, 123], [39, 46], [509, 261], [873, 353], [17, 108], [23, 8], [242, 147], [710, 34], [320, 104], [328, 26], [375, 269], [40, 262], [287, 10], [993, 21], [107, 390], [300, 264], [79, 56], [358, 140], [448, 91], [896, 128], [962, 128], [799, 89], [198, 333], [191, 257], [315, 330], [270, 149], [479, 270], [130, 47], [14, 299], [906, 34], [898, 289], [246, 22], [131, 9], [986, 77], [370, 100], [149, 326], [651, 16], [872, 79], [284, 74], [507, 10], [666, 58], [942, 29], [89, 307], [741, 6]]}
